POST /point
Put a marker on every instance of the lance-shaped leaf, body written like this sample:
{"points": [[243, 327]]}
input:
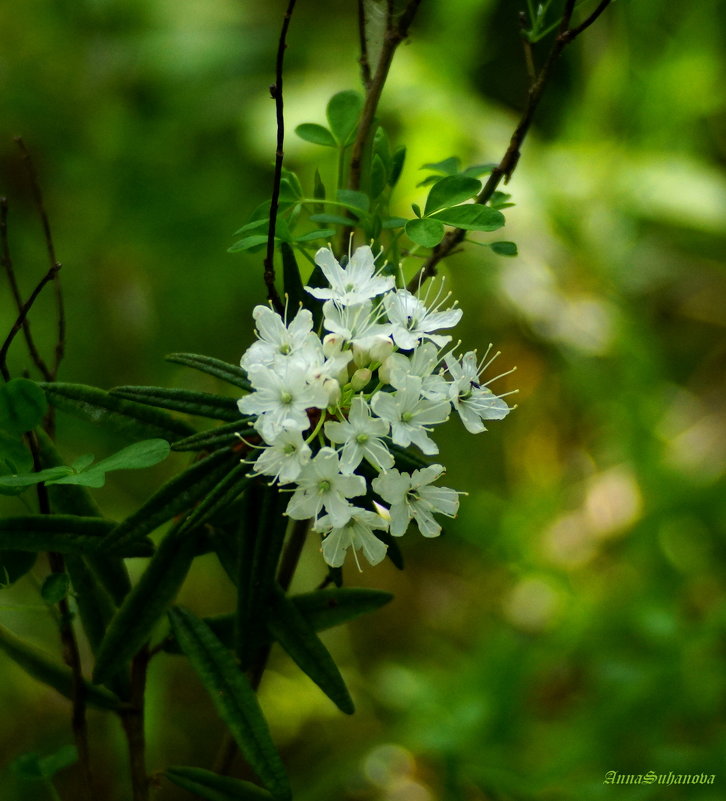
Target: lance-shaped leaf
{"points": [[131, 626], [233, 697], [94, 604], [290, 628], [68, 499], [214, 787], [199, 404], [222, 436], [135, 420], [44, 668], [62, 534], [231, 373], [261, 534], [292, 281], [220, 496], [173, 498]]}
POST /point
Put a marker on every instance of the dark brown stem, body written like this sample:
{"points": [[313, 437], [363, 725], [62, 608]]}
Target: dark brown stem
{"points": [[7, 264], [396, 32], [132, 718], [54, 264], [365, 65], [276, 91], [505, 168], [288, 564]]}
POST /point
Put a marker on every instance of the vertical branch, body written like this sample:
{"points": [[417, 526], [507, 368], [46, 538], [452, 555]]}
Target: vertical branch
{"points": [[54, 263], [276, 93], [132, 718], [365, 65]]}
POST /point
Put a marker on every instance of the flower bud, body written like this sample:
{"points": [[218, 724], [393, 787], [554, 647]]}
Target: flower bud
{"points": [[332, 344], [381, 348], [360, 379], [361, 356], [332, 387], [384, 371]]}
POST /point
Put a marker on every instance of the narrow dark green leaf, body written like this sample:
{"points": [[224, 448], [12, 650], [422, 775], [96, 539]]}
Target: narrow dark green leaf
{"points": [[504, 248], [14, 458], [223, 436], [393, 222], [55, 587], [254, 225], [451, 190], [311, 236], [290, 628], [220, 496], [214, 787], [397, 161], [317, 134], [448, 166], [29, 479], [379, 176], [95, 606], [131, 626], [45, 669], [135, 420], [324, 609], [173, 498], [318, 189], [343, 112], [231, 373], [336, 219], [14, 565], [233, 697], [61, 533], [471, 217], [22, 406], [200, 404], [427, 233], [292, 281], [248, 243]]}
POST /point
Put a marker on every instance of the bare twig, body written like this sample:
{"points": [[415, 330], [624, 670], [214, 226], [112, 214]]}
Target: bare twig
{"points": [[7, 264], [276, 93], [396, 32], [505, 168], [40, 207], [365, 65], [132, 718]]}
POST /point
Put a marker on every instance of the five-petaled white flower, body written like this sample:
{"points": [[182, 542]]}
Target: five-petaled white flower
{"points": [[285, 457], [361, 436], [321, 485], [473, 402], [412, 321], [278, 341], [358, 281], [357, 534], [412, 496]]}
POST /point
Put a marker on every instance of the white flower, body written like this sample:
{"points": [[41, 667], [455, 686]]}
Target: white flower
{"points": [[422, 363], [361, 437], [285, 457], [356, 533], [276, 340], [356, 324], [412, 321], [411, 496], [281, 397], [409, 413], [473, 402], [357, 282], [322, 485]]}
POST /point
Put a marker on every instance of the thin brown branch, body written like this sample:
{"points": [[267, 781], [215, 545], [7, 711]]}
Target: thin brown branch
{"points": [[22, 316], [365, 65], [132, 718], [276, 92], [506, 167], [7, 264], [396, 32], [48, 235]]}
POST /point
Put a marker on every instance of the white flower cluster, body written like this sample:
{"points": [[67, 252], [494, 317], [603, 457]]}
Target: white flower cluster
{"points": [[380, 374]]}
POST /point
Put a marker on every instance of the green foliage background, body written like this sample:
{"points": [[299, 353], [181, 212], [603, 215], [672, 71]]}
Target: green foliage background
{"points": [[572, 619]]}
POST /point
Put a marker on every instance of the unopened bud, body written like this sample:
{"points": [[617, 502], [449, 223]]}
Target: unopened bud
{"points": [[332, 387], [384, 371], [332, 344], [360, 378], [361, 356], [381, 349]]}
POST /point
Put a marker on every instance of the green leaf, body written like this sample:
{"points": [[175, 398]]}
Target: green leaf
{"points": [[292, 282], [425, 232], [318, 188], [379, 176], [471, 217], [14, 565], [61, 533], [231, 373], [95, 606], [173, 498], [311, 236], [448, 166], [214, 787], [394, 222], [15, 458], [317, 134], [290, 628], [45, 669], [504, 248], [478, 170], [22, 406], [233, 697], [28, 479], [248, 243], [222, 436], [343, 112], [131, 626], [200, 404], [324, 609], [451, 190], [220, 496], [55, 587], [397, 161], [358, 200], [254, 225], [336, 219], [291, 179], [135, 420], [34, 767]]}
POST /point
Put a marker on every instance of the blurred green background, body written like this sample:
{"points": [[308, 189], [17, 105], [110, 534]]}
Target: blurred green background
{"points": [[571, 621]]}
